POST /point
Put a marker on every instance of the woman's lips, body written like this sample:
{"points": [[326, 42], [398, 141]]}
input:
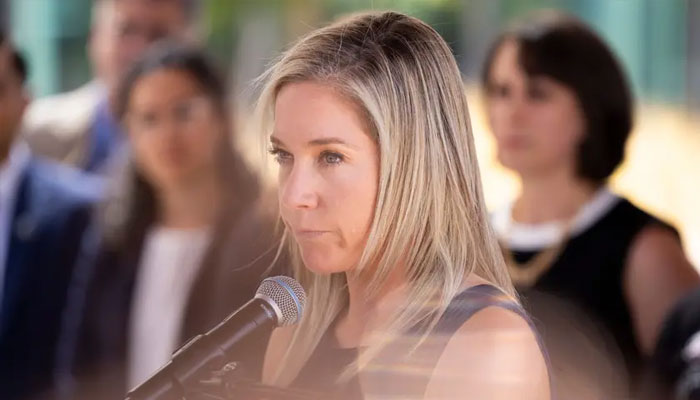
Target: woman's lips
{"points": [[512, 142], [309, 234]]}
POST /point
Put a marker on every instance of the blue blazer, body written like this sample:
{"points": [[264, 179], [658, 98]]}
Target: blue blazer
{"points": [[52, 209]]}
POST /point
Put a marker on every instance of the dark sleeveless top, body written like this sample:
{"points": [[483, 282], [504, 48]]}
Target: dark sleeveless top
{"points": [[589, 273], [394, 374]]}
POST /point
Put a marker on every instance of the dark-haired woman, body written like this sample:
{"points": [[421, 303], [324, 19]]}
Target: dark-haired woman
{"points": [[182, 240], [560, 109]]}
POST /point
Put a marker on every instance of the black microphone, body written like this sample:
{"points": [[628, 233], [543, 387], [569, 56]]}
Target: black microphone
{"points": [[278, 301]]}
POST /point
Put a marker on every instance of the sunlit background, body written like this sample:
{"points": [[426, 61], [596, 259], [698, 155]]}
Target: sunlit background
{"points": [[657, 40]]}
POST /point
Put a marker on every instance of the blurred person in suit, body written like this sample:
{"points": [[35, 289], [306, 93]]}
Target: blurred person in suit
{"points": [[79, 128], [44, 212], [560, 110], [182, 238]]}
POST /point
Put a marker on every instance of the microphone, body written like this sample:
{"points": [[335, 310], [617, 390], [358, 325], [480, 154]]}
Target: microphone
{"points": [[279, 301]]}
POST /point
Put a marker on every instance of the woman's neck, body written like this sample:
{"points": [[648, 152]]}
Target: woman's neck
{"points": [[552, 197], [190, 206], [366, 311]]}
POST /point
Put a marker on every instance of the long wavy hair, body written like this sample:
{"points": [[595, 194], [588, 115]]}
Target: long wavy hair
{"points": [[430, 215]]}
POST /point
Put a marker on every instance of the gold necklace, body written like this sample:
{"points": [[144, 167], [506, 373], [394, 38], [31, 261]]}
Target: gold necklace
{"points": [[525, 275]]}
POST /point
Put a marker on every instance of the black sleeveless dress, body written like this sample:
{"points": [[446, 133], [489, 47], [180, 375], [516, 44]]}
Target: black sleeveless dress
{"points": [[393, 375], [589, 273]]}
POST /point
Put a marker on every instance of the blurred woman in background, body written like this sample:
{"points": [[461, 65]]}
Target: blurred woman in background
{"points": [[379, 190], [561, 110], [182, 239]]}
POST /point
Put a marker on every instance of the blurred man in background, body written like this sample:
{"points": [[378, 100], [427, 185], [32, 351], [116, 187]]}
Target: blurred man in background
{"points": [[78, 128], [44, 211]]}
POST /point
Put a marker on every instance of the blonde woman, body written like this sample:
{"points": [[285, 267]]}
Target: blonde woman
{"points": [[381, 199]]}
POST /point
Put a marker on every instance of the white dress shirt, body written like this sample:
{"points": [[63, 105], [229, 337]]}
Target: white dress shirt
{"points": [[169, 265]]}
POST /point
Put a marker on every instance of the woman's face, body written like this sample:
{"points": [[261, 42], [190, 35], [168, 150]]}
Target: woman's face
{"points": [[328, 175], [173, 128], [537, 122]]}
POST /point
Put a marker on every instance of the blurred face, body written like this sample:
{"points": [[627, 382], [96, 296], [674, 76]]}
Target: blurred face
{"points": [[537, 122], [328, 176], [173, 128], [124, 29], [13, 101]]}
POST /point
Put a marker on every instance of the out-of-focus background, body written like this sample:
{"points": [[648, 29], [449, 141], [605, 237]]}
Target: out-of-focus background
{"points": [[657, 41]]}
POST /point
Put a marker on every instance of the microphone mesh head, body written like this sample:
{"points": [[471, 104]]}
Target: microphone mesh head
{"points": [[287, 295]]}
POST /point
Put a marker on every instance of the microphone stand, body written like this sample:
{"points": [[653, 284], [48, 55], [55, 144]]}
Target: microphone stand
{"points": [[231, 383], [205, 353]]}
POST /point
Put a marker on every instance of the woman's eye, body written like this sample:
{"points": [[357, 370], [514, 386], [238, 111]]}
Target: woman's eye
{"points": [[331, 158], [183, 112], [142, 122], [281, 156], [538, 90], [498, 90], [537, 94]]}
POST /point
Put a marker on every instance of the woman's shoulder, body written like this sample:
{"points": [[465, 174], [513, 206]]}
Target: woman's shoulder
{"points": [[628, 215], [253, 224], [252, 236], [494, 354], [480, 307], [492, 350]]}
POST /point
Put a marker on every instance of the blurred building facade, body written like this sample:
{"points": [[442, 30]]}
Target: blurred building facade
{"points": [[657, 41]]}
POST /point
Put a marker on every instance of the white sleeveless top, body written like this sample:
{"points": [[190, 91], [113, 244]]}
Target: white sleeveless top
{"points": [[169, 265], [530, 237]]}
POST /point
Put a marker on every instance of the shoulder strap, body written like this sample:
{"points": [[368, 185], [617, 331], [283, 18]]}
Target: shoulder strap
{"points": [[405, 367], [471, 301]]}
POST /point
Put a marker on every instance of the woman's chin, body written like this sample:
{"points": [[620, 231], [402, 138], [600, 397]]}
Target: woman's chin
{"points": [[522, 165], [322, 265]]}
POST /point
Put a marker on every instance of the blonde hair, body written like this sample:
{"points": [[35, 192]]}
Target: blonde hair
{"points": [[430, 215]]}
